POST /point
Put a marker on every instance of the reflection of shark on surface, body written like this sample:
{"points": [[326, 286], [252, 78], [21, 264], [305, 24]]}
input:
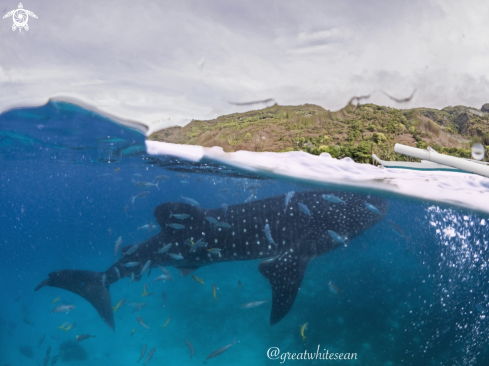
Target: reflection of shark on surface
{"points": [[258, 229]]}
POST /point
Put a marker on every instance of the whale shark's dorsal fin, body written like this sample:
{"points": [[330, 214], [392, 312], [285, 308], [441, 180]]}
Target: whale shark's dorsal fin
{"points": [[88, 285], [285, 273]]}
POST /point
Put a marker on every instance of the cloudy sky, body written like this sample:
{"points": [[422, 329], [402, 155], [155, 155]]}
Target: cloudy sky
{"points": [[167, 62]]}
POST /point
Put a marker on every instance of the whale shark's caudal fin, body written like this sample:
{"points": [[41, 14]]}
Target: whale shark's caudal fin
{"points": [[88, 285], [285, 273]]}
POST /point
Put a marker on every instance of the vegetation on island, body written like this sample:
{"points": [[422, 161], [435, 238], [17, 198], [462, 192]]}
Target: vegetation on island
{"points": [[356, 131]]}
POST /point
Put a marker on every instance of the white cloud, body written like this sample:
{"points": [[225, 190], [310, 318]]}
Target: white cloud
{"points": [[170, 62]]}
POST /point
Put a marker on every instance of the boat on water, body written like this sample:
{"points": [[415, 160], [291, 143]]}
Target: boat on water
{"points": [[431, 160]]}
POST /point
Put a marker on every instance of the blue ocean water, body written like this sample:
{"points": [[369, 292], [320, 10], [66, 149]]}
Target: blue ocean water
{"points": [[68, 178]]}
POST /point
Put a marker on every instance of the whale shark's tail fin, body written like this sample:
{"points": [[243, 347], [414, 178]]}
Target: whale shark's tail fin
{"points": [[88, 285], [285, 273]]}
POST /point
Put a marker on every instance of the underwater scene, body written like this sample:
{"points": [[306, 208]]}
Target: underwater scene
{"points": [[113, 256]]}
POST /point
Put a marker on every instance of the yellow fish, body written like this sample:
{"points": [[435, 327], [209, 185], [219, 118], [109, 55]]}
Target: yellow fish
{"points": [[133, 331], [119, 304], [55, 300], [145, 292], [167, 322], [117, 169], [214, 288], [304, 328], [71, 326], [201, 280], [65, 324]]}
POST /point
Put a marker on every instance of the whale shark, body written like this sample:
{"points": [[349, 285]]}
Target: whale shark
{"points": [[279, 230]]}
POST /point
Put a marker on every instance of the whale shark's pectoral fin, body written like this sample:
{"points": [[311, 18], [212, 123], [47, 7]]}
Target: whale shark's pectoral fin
{"points": [[285, 273], [186, 270], [88, 285]]}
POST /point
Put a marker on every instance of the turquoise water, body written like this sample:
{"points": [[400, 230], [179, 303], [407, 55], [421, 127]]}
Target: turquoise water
{"points": [[67, 181]]}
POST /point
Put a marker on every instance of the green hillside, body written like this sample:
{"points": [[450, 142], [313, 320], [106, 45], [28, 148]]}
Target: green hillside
{"points": [[354, 131]]}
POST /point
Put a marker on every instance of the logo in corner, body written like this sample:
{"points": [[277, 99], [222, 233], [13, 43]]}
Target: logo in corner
{"points": [[20, 17]]}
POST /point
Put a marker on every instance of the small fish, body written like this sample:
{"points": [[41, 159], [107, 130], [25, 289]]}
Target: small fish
{"points": [[191, 201], [304, 209], [223, 224], [333, 288], [118, 272], [82, 337], [190, 347], [54, 338], [211, 219], [188, 242], [117, 170], [251, 197], [253, 304], [48, 351], [333, 199], [145, 267], [131, 264], [119, 304], [63, 309], [166, 273], [133, 331], [148, 227], [268, 234], [104, 279], [175, 256], [288, 197], [303, 329], [41, 339], [179, 216], [140, 321], [54, 359], [218, 351], [143, 352], [67, 326], [109, 230], [164, 248], [167, 322], [46, 360], [161, 177], [56, 300], [133, 277], [131, 249], [397, 229], [164, 299], [139, 195], [146, 184], [162, 277], [64, 325], [336, 237], [225, 208], [16, 299], [200, 280], [176, 226], [138, 307], [198, 244], [214, 250], [239, 284], [214, 292], [372, 208], [117, 246], [150, 355], [145, 292]]}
